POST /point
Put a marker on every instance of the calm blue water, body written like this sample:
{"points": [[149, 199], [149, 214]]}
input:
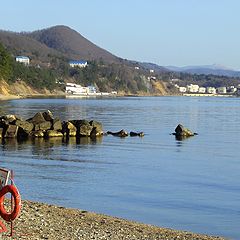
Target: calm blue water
{"points": [[189, 185]]}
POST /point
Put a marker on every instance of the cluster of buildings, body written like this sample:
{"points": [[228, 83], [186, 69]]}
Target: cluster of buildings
{"points": [[194, 88]]}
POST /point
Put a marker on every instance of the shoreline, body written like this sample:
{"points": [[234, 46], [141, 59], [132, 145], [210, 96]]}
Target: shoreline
{"points": [[45, 221]]}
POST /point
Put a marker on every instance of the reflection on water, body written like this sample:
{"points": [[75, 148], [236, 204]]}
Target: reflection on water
{"points": [[190, 184]]}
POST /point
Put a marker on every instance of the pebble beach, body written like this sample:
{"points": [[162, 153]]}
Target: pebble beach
{"points": [[44, 221]]}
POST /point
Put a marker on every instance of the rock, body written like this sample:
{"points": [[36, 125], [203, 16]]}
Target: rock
{"points": [[181, 131], [10, 118], [1, 132], [11, 131], [121, 133], [37, 118], [57, 124], [46, 125], [133, 134], [85, 128], [53, 133], [69, 129], [37, 134], [25, 125], [97, 129], [48, 116]]}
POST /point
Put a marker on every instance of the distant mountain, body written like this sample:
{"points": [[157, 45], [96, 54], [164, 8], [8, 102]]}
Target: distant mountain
{"points": [[55, 41], [71, 43], [214, 69]]}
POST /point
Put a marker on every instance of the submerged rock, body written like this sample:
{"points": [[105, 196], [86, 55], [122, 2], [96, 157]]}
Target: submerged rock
{"points": [[182, 132], [121, 133], [134, 134]]}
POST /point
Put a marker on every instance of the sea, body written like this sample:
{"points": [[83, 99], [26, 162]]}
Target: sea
{"points": [[191, 184]]}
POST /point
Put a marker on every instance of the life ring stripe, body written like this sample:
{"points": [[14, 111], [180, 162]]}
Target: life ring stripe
{"points": [[9, 216]]}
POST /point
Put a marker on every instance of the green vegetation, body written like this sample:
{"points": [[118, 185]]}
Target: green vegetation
{"points": [[5, 63]]}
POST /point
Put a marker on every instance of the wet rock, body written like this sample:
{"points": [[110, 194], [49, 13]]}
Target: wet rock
{"points": [[134, 134], [121, 133], [46, 125], [48, 116], [53, 133], [11, 131], [69, 129], [57, 124], [85, 128], [37, 134], [97, 128], [37, 118], [25, 125], [182, 132], [1, 132]]}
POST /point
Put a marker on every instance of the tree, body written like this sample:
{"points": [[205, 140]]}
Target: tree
{"points": [[5, 63]]}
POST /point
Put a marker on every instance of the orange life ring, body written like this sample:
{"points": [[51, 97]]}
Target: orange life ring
{"points": [[17, 203]]}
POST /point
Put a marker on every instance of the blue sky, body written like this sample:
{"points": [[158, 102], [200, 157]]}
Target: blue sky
{"points": [[166, 32]]}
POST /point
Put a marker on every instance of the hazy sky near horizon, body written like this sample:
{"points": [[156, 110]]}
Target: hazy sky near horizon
{"points": [[165, 32]]}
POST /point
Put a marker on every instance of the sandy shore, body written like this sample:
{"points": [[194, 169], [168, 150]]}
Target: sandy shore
{"points": [[43, 221]]}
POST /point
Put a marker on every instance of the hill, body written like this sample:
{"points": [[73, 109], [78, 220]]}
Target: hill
{"points": [[214, 69], [71, 44]]}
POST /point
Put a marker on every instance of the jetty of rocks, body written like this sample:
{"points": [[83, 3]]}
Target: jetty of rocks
{"points": [[44, 125]]}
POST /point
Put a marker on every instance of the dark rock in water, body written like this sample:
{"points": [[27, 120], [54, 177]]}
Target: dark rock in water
{"points": [[37, 119], [48, 116], [97, 128], [134, 134], [181, 131], [85, 128], [46, 125], [121, 133], [57, 124], [25, 125], [11, 131], [53, 133], [69, 129], [1, 132], [37, 134]]}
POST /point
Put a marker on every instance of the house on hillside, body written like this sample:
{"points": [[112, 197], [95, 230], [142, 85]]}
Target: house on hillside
{"points": [[23, 59], [79, 63]]}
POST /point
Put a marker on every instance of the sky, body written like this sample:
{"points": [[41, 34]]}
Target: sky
{"points": [[165, 32]]}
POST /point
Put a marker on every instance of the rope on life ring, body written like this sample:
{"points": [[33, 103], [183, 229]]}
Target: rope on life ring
{"points": [[9, 216]]}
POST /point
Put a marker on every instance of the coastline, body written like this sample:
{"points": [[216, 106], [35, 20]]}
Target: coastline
{"points": [[44, 221]]}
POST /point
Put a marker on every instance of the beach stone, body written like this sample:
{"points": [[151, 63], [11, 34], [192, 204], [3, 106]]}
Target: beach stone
{"points": [[37, 134], [25, 125], [11, 131], [48, 116], [57, 124], [69, 129], [85, 128], [37, 118], [97, 129], [180, 130], [46, 125], [53, 133]]}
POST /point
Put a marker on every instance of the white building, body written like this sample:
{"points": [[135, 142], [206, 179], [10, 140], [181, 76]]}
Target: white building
{"points": [[22, 59], [77, 89], [221, 90], [80, 63], [182, 89], [211, 90], [202, 90], [192, 88]]}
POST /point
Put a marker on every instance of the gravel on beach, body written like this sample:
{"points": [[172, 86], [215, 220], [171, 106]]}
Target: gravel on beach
{"points": [[44, 221]]}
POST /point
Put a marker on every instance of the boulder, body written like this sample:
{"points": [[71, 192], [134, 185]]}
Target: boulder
{"points": [[37, 134], [57, 124], [37, 118], [121, 133], [134, 134], [11, 131], [85, 128], [181, 131], [46, 125], [97, 129], [53, 133], [48, 116], [69, 129], [25, 125], [1, 133]]}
